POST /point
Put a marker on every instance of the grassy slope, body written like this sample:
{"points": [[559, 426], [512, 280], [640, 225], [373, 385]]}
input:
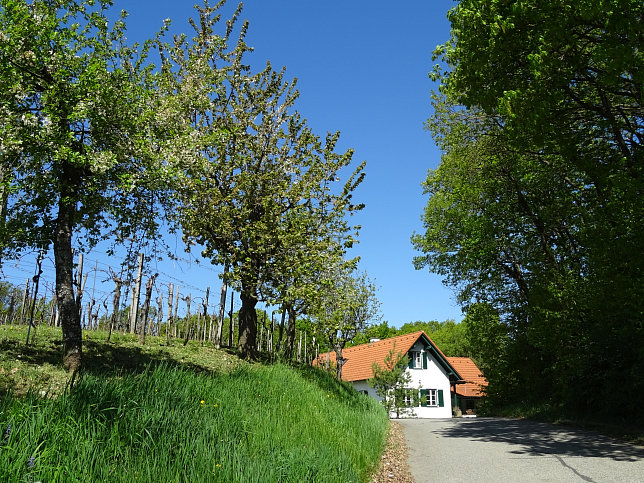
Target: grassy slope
{"points": [[163, 413]]}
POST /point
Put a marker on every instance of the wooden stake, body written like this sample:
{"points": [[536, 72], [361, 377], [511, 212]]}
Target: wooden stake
{"points": [[176, 308], [222, 313], [187, 300], [205, 312], [168, 319], [159, 314], [232, 322], [116, 303], [146, 308], [134, 306], [25, 295], [41, 255]]}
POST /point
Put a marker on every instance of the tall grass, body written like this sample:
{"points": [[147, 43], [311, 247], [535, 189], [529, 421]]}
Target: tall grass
{"points": [[255, 424]]}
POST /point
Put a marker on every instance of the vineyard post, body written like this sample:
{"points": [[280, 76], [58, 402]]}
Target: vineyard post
{"points": [[176, 308], [222, 314], [187, 299], [134, 306]]}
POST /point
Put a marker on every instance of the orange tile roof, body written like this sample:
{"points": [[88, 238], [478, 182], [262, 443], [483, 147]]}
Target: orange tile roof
{"points": [[360, 358], [474, 380]]}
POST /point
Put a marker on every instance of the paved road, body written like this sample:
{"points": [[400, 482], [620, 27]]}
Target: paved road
{"points": [[503, 450]]}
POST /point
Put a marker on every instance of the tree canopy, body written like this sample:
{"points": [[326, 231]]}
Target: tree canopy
{"points": [[77, 110], [99, 143], [535, 209], [263, 196]]}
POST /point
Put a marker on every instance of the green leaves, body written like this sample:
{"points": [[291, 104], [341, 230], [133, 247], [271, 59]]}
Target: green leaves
{"points": [[531, 210]]}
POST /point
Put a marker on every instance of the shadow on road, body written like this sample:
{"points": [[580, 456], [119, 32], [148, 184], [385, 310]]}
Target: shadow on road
{"points": [[534, 438]]}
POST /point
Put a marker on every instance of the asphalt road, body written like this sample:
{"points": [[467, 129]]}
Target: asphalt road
{"points": [[505, 450]]}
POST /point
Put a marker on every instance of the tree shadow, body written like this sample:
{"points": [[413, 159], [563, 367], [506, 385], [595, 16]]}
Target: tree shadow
{"points": [[107, 359], [50, 354], [538, 439], [327, 382]]}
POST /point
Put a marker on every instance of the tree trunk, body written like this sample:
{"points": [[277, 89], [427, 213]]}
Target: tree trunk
{"points": [[64, 260], [339, 361], [247, 343]]}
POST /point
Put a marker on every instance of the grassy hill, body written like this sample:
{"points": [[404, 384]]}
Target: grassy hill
{"points": [[174, 413]]}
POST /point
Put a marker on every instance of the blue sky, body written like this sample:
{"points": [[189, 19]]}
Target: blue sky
{"points": [[362, 69]]}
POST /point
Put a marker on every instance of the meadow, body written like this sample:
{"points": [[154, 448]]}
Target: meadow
{"points": [[174, 413]]}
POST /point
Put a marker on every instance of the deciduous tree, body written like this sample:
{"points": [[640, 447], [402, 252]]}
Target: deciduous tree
{"points": [[262, 195], [532, 211], [346, 304], [76, 110]]}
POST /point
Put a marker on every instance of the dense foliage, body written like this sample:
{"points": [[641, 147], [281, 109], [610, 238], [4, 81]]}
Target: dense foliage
{"points": [[535, 211]]}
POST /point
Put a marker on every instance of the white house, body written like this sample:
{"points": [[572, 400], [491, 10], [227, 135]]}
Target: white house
{"points": [[431, 372]]}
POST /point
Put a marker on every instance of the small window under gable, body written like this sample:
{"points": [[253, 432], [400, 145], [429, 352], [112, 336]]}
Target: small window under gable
{"points": [[417, 360]]}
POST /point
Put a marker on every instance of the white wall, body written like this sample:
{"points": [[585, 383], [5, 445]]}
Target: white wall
{"points": [[434, 377]]}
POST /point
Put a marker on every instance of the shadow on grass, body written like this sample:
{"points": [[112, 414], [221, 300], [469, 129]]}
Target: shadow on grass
{"points": [[32, 354], [330, 384], [105, 359]]}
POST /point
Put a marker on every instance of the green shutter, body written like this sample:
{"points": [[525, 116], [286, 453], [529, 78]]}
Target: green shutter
{"points": [[440, 399], [423, 397], [411, 359], [424, 360]]}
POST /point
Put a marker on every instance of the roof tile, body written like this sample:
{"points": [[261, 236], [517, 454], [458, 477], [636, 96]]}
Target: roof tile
{"points": [[360, 358], [475, 383]]}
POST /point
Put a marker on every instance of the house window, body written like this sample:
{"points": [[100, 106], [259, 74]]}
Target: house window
{"points": [[417, 360], [432, 397]]}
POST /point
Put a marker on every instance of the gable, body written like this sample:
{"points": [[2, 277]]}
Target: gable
{"points": [[359, 359]]}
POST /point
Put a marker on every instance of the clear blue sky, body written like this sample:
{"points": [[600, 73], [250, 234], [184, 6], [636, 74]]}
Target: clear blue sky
{"points": [[362, 69]]}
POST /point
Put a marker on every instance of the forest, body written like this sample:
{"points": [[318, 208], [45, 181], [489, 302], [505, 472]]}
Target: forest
{"points": [[535, 211]]}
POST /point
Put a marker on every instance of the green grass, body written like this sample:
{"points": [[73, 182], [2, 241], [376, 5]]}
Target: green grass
{"points": [[156, 418]]}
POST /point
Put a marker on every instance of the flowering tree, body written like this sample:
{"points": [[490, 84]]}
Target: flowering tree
{"points": [[261, 196], [76, 119], [346, 304]]}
